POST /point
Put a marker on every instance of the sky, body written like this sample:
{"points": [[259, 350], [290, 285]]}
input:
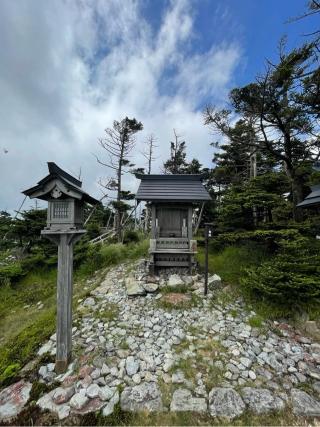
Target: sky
{"points": [[68, 69]]}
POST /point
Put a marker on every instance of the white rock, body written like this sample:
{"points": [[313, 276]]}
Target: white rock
{"points": [[142, 397], [105, 370], [89, 302], [93, 391], [132, 366], [182, 400], [245, 362], [13, 399], [109, 408], [214, 281], [150, 287], [136, 378], [46, 403], [62, 395], [252, 375], [79, 400], [106, 392], [46, 348], [225, 402], [175, 280]]}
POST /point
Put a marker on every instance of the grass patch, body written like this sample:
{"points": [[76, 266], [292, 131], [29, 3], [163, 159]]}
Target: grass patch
{"points": [[101, 256], [109, 312], [233, 313], [184, 305], [255, 321], [230, 262], [23, 346], [179, 289], [207, 352]]}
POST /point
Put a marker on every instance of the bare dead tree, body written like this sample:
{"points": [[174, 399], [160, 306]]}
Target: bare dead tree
{"points": [[148, 152], [118, 144]]}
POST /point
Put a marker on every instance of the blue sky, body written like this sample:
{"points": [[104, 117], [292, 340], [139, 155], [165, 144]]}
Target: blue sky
{"points": [[257, 25], [69, 68]]}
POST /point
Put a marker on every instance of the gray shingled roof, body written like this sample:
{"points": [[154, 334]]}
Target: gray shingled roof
{"points": [[312, 199], [179, 188], [67, 179]]}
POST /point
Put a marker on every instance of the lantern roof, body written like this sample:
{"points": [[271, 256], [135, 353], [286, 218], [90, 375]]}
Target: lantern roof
{"points": [[172, 188], [59, 181], [312, 199]]}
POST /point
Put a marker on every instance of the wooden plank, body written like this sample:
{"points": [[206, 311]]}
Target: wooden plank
{"points": [[172, 263], [173, 251]]}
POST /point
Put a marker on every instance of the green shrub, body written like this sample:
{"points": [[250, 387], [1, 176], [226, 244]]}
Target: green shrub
{"points": [[9, 373], [269, 238], [291, 278], [131, 236], [93, 230], [11, 272]]}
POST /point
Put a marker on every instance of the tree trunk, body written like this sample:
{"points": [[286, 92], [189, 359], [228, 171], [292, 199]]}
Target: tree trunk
{"points": [[118, 213], [296, 190]]}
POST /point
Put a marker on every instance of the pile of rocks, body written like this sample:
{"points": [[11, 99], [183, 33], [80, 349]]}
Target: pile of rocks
{"points": [[143, 345], [141, 284]]}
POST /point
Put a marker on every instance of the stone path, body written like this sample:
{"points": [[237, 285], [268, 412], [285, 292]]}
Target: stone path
{"points": [[135, 352]]}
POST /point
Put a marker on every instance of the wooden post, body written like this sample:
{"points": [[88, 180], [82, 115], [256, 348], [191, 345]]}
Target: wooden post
{"points": [[64, 303], [65, 242], [207, 235], [206, 232]]}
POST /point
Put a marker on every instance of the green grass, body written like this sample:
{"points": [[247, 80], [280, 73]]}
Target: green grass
{"points": [[230, 262], [179, 289], [184, 305], [255, 321], [101, 256]]}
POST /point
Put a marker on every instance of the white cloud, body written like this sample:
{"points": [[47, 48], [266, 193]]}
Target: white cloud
{"points": [[69, 68]]}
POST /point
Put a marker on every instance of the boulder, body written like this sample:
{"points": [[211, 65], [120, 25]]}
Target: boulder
{"points": [[13, 400], [106, 392], [134, 288], [188, 280], [62, 395], [150, 287], [182, 400], [93, 391], [175, 280], [261, 400], [89, 302], [214, 281], [46, 403], [303, 404], [142, 397], [311, 328], [225, 402], [79, 400]]}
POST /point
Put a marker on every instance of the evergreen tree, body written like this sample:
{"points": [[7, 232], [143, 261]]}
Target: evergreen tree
{"points": [[118, 144], [177, 163]]}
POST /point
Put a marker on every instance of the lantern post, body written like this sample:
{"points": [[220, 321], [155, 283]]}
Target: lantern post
{"points": [[66, 200]]}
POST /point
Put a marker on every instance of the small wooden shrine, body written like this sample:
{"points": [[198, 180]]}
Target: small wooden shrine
{"points": [[172, 199]]}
